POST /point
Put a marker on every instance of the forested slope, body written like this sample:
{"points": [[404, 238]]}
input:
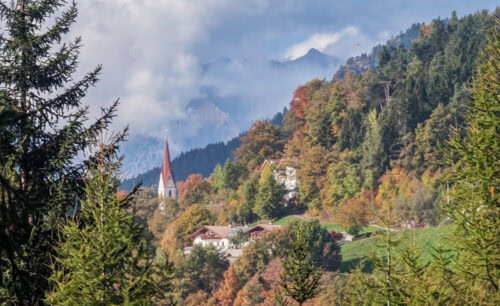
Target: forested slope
{"points": [[372, 148]]}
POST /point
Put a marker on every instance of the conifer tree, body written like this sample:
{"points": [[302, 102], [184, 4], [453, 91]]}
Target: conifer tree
{"points": [[248, 193], [102, 258], [475, 174], [43, 127], [301, 274], [386, 197]]}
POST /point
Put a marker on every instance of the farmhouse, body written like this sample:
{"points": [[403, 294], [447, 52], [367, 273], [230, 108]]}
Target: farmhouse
{"points": [[218, 236], [260, 230]]}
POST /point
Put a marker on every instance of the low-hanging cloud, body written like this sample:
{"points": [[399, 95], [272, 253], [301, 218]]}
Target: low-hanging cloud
{"points": [[318, 41]]}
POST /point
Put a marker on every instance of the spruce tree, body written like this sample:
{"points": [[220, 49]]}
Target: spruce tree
{"points": [[474, 205], [387, 285], [43, 127], [102, 258], [301, 273]]}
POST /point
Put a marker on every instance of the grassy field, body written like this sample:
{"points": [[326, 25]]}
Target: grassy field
{"points": [[286, 220], [330, 227], [426, 239]]}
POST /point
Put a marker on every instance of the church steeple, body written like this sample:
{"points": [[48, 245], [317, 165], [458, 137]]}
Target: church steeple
{"points": [[166, 186], [166, 169]]}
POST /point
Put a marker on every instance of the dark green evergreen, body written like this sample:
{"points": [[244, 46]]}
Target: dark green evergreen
{"points": [[232, 173], [249, 190], [43, 129], [475, 177], [301, 273], [323, 250]]}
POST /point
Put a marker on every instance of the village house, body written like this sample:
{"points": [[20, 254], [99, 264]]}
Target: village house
{"points": [[260, 230], [218, 236]]}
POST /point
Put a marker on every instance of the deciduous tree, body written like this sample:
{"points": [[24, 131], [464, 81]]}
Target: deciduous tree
{"points": [[313, 164], [264, 140], [227, 293], [203, 270], [268, 202], [191, 220], [194, 190]]}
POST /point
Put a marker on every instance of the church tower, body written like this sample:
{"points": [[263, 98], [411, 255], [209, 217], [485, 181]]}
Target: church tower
{"points": [[167, 187]]}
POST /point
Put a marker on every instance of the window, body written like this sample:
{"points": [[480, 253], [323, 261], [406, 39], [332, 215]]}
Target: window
{"points": [[170, 193]]}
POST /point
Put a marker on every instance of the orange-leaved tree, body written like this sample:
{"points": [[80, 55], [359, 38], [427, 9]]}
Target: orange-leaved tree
{"points": [[263, 141], [193, 190], [227, 292]]}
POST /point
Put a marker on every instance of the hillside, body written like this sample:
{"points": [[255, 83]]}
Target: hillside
{"points": [[328, 226], [367, 148], [426, 239]]}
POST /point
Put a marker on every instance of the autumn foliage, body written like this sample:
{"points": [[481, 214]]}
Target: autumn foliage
{"points": [[227, 292], [263, 141], [299, 101], [356, 212], [191, 190], [262, 287]]}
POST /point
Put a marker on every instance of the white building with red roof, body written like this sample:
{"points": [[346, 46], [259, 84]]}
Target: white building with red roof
{"points": [[167, 188], [218, 236], [221, 236]]}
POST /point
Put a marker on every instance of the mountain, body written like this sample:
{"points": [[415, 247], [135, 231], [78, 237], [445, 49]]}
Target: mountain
{"points": [[220, 115], [207, 123], [312, 58], [141, 152]]}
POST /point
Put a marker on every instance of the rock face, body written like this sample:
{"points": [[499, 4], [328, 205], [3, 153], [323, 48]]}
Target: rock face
{"points": [[141, 153]]}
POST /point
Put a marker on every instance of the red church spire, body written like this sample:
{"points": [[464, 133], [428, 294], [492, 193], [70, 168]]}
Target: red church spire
{"points": [[166, 170]]}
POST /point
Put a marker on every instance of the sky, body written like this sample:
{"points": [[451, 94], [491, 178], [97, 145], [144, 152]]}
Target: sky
{"points": [[200, 70]]}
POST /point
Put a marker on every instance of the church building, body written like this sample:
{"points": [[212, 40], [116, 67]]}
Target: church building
{"points": [[167, 187]]}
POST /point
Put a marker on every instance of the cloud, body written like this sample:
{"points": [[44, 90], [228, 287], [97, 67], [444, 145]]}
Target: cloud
{"points": [[318, 41]]}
